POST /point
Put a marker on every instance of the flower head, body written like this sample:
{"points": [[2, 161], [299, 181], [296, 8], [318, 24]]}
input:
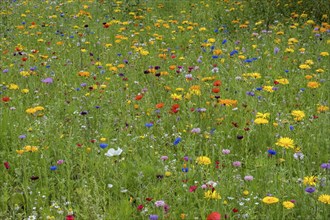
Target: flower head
{"points": [[270, 200], [288, 204], [324, 198], [202, 160], [212, 194], [298, 115], [285, 142]]}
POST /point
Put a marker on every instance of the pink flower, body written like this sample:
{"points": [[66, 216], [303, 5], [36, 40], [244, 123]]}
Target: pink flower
{"points": [[192, 188], [237, 164], [226, 151], [248, 178]]}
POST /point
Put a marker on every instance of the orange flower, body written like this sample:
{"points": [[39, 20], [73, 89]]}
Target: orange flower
{"points": [[160, 105], [138, 97], [217, 83], [215, 90], [172, 67]]}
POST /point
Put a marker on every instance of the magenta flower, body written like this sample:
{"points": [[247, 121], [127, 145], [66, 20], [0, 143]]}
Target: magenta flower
{"points": [[237, 164]]}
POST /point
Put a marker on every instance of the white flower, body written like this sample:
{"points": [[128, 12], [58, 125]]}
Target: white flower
{"points": [[112, 152]]}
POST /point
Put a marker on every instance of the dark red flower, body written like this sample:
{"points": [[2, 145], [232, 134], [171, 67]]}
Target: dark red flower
{"points": [[5, 99], [140, 207], [69, 217], [149, 199], [6, 165], [235, 210]]}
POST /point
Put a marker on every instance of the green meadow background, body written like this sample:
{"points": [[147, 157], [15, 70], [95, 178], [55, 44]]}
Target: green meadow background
{"points": [[164, 109]]}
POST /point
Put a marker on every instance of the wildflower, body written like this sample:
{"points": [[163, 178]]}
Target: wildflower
{"points": [[285, 142], [310, 189], [304, 66], [283, 81], [5, 99], [103, 145], [298, 115], [313, 85], [271, 152], [160, 105], [288, 204], [325, 165], [228, 102], [159, 203], [153, 217], [226, 151], [237, 163], [175, 96], [324, 54], [53, 168], [310, 180], [212, 194], [47, 80], [248, 178], [322, 108], [163, 158], [112, 152], [193, 188], [59, 162], [177, 141], [203, 160], [259, 121], [6, 164], [298, 156], [214, 216], [268, 89], [270, 200], [325, 198]]}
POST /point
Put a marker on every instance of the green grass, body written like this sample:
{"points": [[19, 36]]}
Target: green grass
{"points": [[63, 40]]}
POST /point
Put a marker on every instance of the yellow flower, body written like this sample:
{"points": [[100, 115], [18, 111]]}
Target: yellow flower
{"points": [[245, 192], [13, 86], [212, 194], [324, 198], [167, 173], [308, 77], [288, 204], [195, 90], [20, 152], [304, 66], [322, 108], [228, 102], [309, 62], [313, 85], [324, 54], [283, 81], [285, 142], [203, 160], [289, 50], [259, 121], [298, 115], [175, 96], [270, 200], [310, 180], [268, 88], [262, 115], [25, 91]]}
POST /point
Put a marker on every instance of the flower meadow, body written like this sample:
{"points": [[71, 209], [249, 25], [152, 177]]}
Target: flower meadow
{"points": [[164, 110]]}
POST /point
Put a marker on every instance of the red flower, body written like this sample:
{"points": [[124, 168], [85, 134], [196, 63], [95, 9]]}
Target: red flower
{"points": [[69, 217], [193, 188], [138, 97], [149, 199], [214, 216], [160, 105], [140, 207], [276, 82], [175, 108], [6, 165], [235, 210], [217, 83], [5, 99], [215, 90]]}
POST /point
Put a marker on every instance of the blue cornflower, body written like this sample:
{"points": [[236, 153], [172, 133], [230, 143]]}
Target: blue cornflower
{"points": [[103, 145], [177, 141], [149, 125], [53, 168], [271, 152], [224, 41], [233, 52]]}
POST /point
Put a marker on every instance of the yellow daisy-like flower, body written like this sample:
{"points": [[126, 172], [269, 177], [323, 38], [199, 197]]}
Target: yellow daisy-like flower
{"points": [[202, 160], [288, 204], [270, 200], [175, 96], [283, 81], [313, 85], [285, 142], [262, 115], [298, 115], [212, 195], [304, 66], [228, 102], [259, 121], [324, 198], [322, 108], [324, 54], [310, 180], [268, 88]]}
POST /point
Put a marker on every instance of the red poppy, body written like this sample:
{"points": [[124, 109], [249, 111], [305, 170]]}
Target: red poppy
{"points": [[140, 207], [276, 82], [215, 90], [24, 59], [235, 210], [217, 83], [5, 99], [138, 97], [175, 108], [214, 216]]}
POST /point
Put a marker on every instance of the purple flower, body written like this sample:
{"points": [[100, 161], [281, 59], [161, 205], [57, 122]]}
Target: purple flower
{"points": [[23, 136], [226, 151], [248, 178], [276, 50], [164, 158], [325, 165], [195, 130], [237, 164], [159, 203], [310, 189], [59, 162], [47, 80], [153, 217]]}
